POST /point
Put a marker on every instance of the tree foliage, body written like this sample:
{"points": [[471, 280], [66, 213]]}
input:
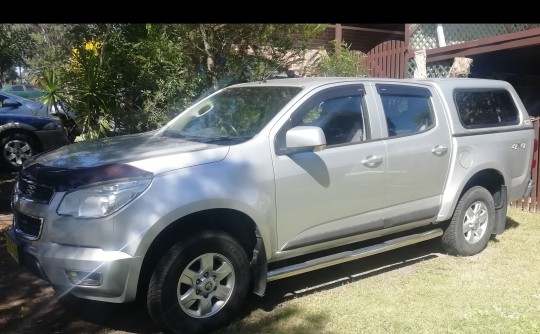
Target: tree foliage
{"points": [[232, 53], [341, 62], [52, 46], [127, 78], [15, 47]]}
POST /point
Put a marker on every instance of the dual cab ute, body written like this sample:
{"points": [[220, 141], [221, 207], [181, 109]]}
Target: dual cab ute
{"points": [[264, 180]]}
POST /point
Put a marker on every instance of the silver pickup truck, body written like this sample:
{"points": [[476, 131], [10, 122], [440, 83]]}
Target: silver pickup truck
{"points": [[265, 180]]}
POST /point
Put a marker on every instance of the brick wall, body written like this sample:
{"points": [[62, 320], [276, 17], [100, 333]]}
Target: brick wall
{"points": [[324, 38]]}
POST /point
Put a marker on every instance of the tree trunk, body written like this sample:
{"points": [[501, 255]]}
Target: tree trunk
{"points": [[209, 56]]}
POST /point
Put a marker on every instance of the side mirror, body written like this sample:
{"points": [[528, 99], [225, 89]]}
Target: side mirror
{"points": [[305, 139], [11, 103]]}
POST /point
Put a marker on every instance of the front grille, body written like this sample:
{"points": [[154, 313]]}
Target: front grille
{"points": [[27, 226], [35, 191]]}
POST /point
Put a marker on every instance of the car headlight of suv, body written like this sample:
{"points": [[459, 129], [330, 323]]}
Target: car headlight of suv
{"points": [[102, 199], [52, 126]]}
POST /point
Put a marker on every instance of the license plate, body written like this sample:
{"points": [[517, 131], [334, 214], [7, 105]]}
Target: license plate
{"points": [[12, 248]]}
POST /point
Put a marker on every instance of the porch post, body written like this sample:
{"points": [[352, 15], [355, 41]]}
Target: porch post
{"points": [[339, 37]]}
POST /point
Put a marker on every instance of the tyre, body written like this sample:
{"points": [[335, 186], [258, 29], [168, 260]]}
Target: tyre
{"points": [[472, 223], [200, 283], [16, 149]]}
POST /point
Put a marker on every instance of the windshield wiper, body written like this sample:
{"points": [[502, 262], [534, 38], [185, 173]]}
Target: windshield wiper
{"points": [[172, 134], [202, 139], [224, 138]]}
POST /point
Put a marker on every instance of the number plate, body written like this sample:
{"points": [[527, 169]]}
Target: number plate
{"points": [[12, 248]]}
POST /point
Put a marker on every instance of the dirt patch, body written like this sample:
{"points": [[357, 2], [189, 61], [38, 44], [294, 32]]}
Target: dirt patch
{"points": [[6, 184]]}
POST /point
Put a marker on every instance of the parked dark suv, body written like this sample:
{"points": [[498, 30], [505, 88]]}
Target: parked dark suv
{"points": [[26, 128]]}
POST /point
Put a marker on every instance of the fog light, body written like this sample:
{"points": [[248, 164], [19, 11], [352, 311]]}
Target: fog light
{"points": [[84, 277]]}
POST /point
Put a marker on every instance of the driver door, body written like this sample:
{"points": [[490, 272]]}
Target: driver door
{"points": [[335, 193]]}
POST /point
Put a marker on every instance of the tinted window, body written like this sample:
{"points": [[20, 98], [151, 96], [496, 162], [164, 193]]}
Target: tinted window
{"points": [[340, 118], [17, 88], [408, 110], [479, 109]]}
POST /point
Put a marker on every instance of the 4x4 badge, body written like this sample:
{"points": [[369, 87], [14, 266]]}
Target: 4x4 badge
{"points": [[520, 145]]}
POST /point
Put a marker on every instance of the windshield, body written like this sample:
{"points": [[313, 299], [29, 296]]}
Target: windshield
{"points": [[232, 114]]}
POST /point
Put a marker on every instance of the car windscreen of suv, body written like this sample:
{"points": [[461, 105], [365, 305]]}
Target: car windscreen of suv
{"points": [[237, 113]]}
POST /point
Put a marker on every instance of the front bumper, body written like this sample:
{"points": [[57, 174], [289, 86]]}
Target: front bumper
{"points": [[51, 139], [52, 261]]}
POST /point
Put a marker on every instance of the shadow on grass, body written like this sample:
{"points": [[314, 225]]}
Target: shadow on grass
{"points": [[304, 323], [510, 224], [5, 207], [268, 310], [329, 278], [130, 317], [6, 185]]}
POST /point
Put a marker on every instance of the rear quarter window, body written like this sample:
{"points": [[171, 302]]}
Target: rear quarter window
{"points": [[485, 108]]}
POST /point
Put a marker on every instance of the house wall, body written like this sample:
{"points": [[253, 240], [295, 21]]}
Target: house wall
{"points": [[358, 40], [424, 35]]}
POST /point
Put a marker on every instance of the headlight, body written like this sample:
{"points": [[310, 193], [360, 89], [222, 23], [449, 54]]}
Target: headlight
{"points": [[101, 200], [52, 126]]}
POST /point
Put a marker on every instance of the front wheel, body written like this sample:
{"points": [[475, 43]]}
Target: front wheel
{"points": [[200, 283], [16, 149], [472, 223]]}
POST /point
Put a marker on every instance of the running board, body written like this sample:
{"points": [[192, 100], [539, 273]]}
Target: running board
{"points": [[330, 260]]}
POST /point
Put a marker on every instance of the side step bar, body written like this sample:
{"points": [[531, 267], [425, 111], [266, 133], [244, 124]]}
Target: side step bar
{"points": [[330, 260]]}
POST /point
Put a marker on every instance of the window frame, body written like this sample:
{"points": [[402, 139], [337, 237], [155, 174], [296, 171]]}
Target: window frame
{"points": [[406, 91], [316, 99]]}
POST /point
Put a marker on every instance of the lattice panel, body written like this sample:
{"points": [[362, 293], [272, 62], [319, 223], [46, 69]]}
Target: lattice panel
{"points": [[424, 37], [524, 26], [411, 66], [460, 33], [438, 69]]}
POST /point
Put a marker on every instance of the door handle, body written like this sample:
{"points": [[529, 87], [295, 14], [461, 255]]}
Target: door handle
{"points": [[439, 150], [372, 161]]}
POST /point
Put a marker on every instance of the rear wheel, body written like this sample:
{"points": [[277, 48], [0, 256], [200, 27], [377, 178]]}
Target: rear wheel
{"points": [[16, 149], [472, 223], [200, 284]]}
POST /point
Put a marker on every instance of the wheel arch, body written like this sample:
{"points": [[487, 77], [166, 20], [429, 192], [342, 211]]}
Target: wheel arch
{"points": [[233, 222], [489, 178], [29, 131], [492, 180]]}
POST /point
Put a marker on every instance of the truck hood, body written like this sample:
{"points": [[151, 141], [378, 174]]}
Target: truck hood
{"points": [[124, 156]]}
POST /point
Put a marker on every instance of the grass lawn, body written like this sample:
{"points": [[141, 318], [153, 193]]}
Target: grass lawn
{"points": [[417, 289]]}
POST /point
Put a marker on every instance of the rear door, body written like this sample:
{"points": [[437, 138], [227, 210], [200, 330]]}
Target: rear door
{"points": [[418, 143]]}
